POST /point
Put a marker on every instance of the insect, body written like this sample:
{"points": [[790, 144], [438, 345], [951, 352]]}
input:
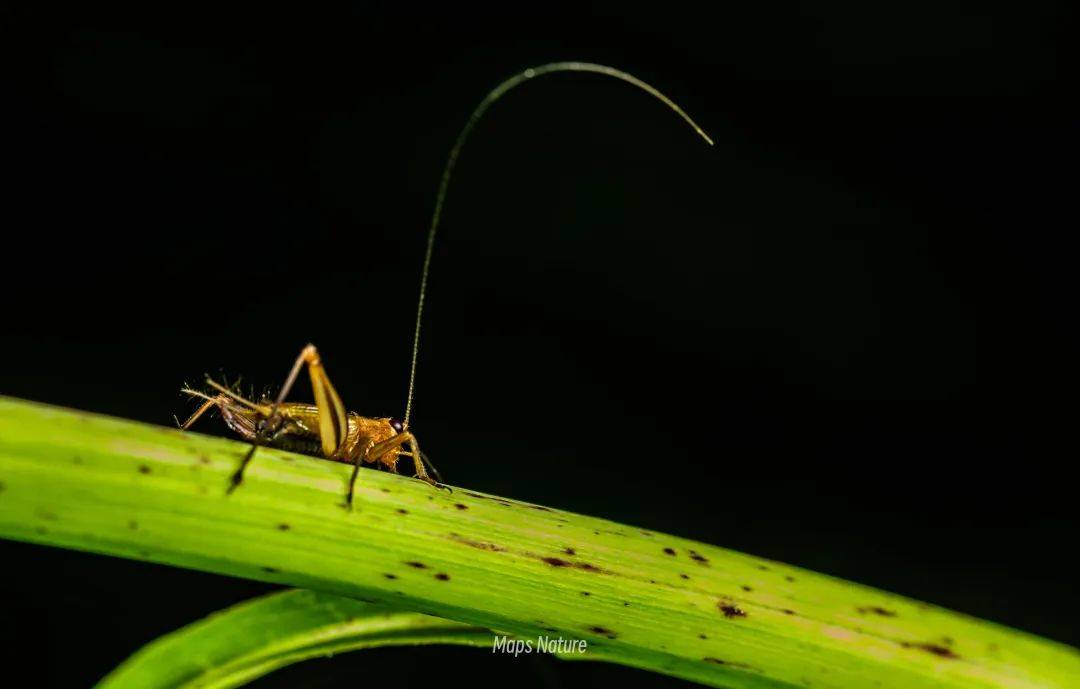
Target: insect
{"points": [[326, 429]]}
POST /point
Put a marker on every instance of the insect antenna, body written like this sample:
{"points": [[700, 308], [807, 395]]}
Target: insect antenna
{"points": [[451, 161]]}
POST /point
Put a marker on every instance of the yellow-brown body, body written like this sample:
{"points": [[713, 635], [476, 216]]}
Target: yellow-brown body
{"points": [[324, 429], [299, 432]]}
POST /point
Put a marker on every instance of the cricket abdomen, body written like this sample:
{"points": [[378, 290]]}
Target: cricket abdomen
{"points": [[300, 444]]}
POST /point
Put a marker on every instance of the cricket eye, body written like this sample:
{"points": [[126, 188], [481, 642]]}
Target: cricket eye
{"points": [[396, 425]]}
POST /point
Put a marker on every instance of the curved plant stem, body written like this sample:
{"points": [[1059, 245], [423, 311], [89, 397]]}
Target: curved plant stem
{"points": [[637, 597]]}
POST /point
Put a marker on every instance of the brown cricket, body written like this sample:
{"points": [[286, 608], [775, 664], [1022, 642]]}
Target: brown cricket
{"points": [[326, 429]]}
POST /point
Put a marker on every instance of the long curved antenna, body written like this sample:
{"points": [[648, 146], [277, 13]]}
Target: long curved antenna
{"points": [[489, 100]]}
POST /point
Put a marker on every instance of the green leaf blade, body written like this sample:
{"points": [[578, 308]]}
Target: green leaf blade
{"points": [[638, 597], [237, 645]]}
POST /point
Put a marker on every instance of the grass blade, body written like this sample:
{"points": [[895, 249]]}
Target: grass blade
{"points": [[638, 597], [233, 647]]}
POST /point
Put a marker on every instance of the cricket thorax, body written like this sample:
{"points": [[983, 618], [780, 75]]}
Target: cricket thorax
{"points": [[365, 433]]}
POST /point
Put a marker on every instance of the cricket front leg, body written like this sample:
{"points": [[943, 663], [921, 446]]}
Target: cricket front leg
{"points": [[378, 451]]}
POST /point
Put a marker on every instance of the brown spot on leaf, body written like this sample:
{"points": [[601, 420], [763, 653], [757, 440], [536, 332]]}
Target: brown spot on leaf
{"points": [[788, 611], [746, 588], [718, 661], [684, 576], [416, 565], [143, 469], [702, 636], [936, 649], [502, 501], [670, 551], [876, 610], [790, 578], [583, 566], [602, 631], [480, 545], [461, 506], [268, 570], [569, 551], [730, 610], [698, 557], [283, 527], [586, 593], [390, 576], [442, 576], [402, 510]]}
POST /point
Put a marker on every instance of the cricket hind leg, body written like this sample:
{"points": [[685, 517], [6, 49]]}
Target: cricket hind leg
{"points": [[333, 422]]}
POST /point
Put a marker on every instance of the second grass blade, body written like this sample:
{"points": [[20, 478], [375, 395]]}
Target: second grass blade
{"points": [[233, 647]]}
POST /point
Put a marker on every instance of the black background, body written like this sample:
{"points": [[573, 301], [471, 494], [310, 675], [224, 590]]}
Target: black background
{"points": [[769, 345]]}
